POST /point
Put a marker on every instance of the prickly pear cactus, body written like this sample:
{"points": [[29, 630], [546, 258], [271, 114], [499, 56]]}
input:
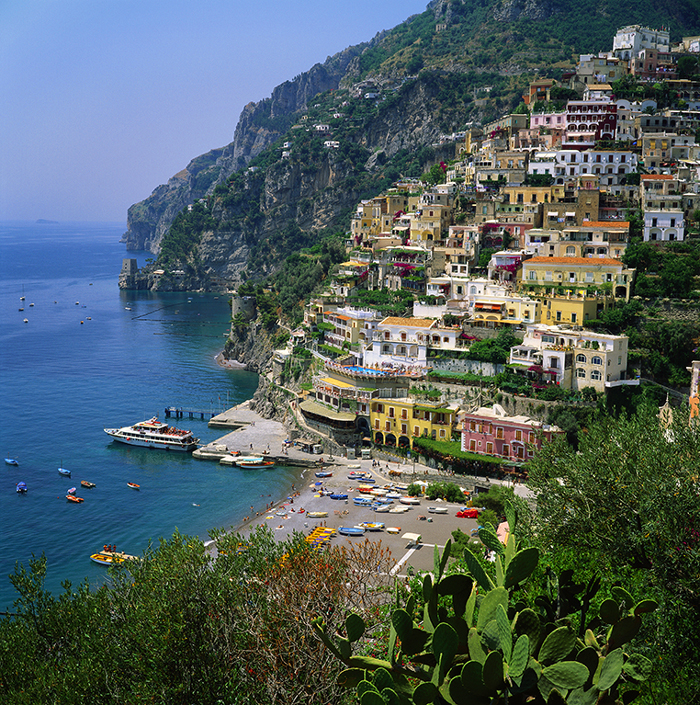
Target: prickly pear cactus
{"points": [[481, 650]]}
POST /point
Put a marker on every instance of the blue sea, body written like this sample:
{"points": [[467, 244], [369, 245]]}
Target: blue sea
{"points": [[89, 357]]}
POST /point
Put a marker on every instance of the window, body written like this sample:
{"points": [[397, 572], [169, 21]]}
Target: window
{"points": [[472, 445], [489, 448], [391, 412], [416, 431], [581, 374], [404, 413], [387, 425], [581, 358], [376, 424], [499, 432], [506, 449], [442, 433], [597, 360], [596, 375], [531, 437], [472, 425]]}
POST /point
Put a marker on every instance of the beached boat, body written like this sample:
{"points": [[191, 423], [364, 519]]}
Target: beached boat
{"points": [[409, 500], [351, 531], [74, 499], [154, 434], [393, 495], [64, 472], [378, 492], [437, 510], [339, 496], [381, 508], [324, 473], [88, 485], [21, 487], [354, 475], [317, 515], [110, 557], [362, 501], [11, 461], [398, 510], [393, 529], [371, 525], [133, 485]]}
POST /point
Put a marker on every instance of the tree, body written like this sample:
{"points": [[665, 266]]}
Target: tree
{"points": [[630, 493]]}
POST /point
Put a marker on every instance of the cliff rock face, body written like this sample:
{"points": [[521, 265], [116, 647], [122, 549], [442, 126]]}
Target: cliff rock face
{"points": [[259, 125]]}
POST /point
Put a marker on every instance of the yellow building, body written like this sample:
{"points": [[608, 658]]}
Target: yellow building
{"points": [[397, 422]]}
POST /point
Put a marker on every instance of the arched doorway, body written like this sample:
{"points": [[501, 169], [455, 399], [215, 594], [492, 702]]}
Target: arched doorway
{"points": [[390, 440], [379, 438]]}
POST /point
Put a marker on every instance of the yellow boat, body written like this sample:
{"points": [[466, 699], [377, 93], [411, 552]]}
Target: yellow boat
{"points": [[317, 515], [110, 557]]}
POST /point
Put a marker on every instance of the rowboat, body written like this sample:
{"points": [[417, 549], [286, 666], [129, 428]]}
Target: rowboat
{"points": [[393, 529], [85, 483], [339, 496], [11, 461], [64, 472], [317, 515], [362, 501], [74, 499], [351, 531], [437, 510], [398, 510], [381, 508], [133, 485], [324, 473], [371, 525], [409, 500]]}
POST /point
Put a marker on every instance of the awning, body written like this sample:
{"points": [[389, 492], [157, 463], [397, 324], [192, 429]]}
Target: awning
{"points": [[313, 407], [488, 307], [552, 214], [570, 214], [335, 383]]}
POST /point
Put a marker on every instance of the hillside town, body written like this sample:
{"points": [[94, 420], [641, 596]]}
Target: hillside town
{"points": [[521, 239]]}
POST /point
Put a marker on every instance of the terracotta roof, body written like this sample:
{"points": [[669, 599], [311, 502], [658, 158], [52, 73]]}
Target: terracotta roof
{"points": [[574, 260], [339, 316], [414, 322], [605, 224]]}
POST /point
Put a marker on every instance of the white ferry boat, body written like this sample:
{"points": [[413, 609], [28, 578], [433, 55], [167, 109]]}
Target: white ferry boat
{"points": [[154, 434]]}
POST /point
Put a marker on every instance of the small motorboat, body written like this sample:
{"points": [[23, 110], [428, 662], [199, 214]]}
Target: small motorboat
{"points": [[339, 496], [393, 529], [398, 510], [362, 501], [110, 557], [72, 490], [133, 485], [74, 499], [393, 495], [21, 487], [324, 473], [437, 510], [380, 508], [317, 515], [11, 461], [410, 500], [64, 472], [351, 531], [88, 485], [255, 463]]}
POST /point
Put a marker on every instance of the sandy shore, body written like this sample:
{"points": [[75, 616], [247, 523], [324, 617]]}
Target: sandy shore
{"points": [[290, 514]]}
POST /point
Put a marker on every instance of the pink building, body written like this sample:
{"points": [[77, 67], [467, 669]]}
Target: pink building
{"points": [[490, 431]]}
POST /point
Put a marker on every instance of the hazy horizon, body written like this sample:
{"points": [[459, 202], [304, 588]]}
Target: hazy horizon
{"points": [[103, 101]]}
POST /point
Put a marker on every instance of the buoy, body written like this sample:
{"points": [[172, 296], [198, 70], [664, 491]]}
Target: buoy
{"points": [[81, 322]]}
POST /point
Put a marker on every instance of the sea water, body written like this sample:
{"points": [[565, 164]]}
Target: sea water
{"points": [[91, 357]]}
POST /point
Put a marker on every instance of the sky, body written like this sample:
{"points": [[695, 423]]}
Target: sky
{"points": [[101, 101]]}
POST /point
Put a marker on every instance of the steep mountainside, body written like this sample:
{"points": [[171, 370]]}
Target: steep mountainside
{"points": [[385, 104]]}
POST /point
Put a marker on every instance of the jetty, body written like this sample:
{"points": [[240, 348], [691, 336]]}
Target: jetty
{"points": [[177, 412]]}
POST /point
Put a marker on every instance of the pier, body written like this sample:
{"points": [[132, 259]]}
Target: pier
{"points": [[180, 413]]}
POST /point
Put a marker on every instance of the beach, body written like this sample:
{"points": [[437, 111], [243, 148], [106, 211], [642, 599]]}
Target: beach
{"points": [[286, 515]]}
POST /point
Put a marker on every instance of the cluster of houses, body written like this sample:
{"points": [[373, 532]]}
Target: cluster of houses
{"points": [[547, 193]]}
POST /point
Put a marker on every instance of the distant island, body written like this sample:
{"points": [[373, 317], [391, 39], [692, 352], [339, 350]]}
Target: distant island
{"points": [[42, 221]]}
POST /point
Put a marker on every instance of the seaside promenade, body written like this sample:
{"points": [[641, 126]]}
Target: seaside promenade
{"points": [[255, 435]]}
